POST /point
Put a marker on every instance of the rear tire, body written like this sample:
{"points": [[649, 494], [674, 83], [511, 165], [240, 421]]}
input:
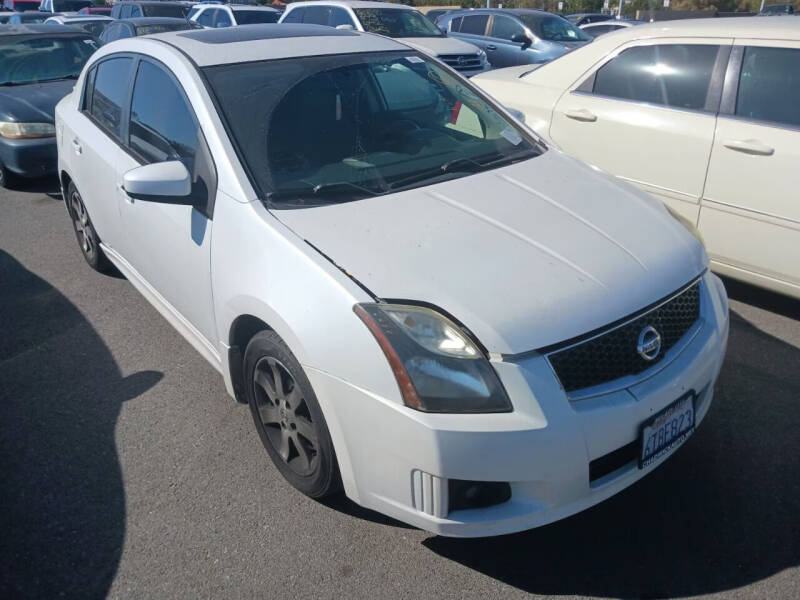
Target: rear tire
{"points": [[288, 417], [88, 240]]}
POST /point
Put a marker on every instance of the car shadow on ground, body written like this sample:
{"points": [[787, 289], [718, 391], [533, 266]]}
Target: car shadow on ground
{"points": [[720, 514], [62, 503], [43, 185]]}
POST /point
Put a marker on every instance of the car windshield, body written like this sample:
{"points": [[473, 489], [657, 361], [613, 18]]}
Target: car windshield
{"points": [[92, 27], [328, 129], [32, 17], [248, 17], [166, 10], [150, 29], [35, 59], [554, 29], [70, 5], [396, 22], [20, 5]]}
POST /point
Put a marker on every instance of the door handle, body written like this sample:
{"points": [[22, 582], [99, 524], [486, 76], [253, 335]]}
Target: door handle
{"points": [[491, 47], [581, 114], [749, 147], [76, 146]]}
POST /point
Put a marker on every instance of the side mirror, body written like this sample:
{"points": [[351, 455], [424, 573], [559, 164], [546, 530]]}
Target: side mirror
{"points": [[345, 26], [443, 28], [521, 38], [165, 182]]}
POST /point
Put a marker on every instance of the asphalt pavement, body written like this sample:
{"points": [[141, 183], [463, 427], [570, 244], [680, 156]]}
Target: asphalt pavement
{"points": [[127, 472]]}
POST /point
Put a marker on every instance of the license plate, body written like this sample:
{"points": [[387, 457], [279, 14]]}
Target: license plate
{"points": [[665, 431]]}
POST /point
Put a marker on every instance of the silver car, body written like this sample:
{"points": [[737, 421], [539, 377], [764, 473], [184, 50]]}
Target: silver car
{"points": [[514, 37]]}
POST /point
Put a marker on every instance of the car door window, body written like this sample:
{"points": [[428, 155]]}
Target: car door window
{"points": [[769, 85], [223, 19], [109, 92], [162, 126], [206, 18], [295, 16], [136, 11], [125, 11], [340, 16], [317, 15], [505, 28], [455, 24], [675, 75], [474, 24]]}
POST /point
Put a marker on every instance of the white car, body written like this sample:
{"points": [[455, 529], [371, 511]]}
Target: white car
{"points": [[602, 27], [701, 113], [403, 23], [92, 24], [212, 16], [420, 301]]}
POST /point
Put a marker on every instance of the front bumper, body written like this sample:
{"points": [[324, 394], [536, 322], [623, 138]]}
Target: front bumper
{"points": [[35, 157], [397, 461]]}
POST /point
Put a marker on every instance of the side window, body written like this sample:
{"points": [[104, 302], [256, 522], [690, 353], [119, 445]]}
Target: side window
{"points": [[88, 90], [162, 126], [136, 11], [223, 19], [769, 85], [295, 16], [455, 24], [125, 12], [505, 28], [317, 15], [340, 16], [474, 24], [206, 18], [109, 92], [125, 31], [675, 75]]}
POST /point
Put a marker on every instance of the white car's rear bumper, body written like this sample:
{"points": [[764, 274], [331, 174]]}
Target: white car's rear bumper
{"points": [[397, 460]]}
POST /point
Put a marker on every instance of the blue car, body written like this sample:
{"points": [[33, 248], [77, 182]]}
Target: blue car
{"points": [[513, 37], [38, 67]]}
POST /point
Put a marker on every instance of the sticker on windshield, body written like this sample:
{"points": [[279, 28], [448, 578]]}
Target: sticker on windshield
{"points": [[511, 135], [413, 59]]}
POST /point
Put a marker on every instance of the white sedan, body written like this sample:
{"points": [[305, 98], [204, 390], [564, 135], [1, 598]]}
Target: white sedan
{"points": [[421, 302], [702, 113]]}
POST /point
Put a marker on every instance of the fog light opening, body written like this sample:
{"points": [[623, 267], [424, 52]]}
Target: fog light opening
{"points": [[464, 494]]}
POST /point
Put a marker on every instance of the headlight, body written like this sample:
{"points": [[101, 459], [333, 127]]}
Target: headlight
{"points": [[437, 366], [686, 223], [11, 129]]}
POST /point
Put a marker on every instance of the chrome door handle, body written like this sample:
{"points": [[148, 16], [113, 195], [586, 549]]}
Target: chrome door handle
{"points": [[76, 146], [749, 147], [491, 47], [581, 114]]}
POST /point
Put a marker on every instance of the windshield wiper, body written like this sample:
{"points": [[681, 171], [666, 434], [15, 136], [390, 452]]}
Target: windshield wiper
{"points": [[322, 190], [70, 76]]}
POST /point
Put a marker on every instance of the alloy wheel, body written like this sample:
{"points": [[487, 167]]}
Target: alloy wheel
{"points": [[80, 219], [285, 416]]}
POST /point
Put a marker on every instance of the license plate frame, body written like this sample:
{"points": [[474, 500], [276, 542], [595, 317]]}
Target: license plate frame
{"points": [[677, 407]]}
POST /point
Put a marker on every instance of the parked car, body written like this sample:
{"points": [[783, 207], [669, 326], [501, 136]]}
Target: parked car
{"points": [[773, 10], [514, 37], [436, 13], [420, 301], [227, 15], [30, 17], [703, 114], [403, 23], [126, 28], [133, 9], [579, 19], [21, 5], [62, 6], [5, 16], [38, 66], [597, 29], [94, 25], [96, 10]]}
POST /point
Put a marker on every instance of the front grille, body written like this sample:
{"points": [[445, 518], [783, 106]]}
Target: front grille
{"points": [[461, 62], [613, 354]]}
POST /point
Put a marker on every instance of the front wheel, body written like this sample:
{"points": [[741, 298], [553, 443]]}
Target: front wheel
{"points": [[288, 417], [84, 231]]}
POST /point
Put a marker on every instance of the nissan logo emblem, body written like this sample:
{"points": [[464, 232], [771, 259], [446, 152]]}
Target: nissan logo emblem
{"points": [[649, 345]]}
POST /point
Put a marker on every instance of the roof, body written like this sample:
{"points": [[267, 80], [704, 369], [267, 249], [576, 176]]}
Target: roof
{"points": [[78, 18], [39, 28], [351, 4], [247, 43], [728, 27]]}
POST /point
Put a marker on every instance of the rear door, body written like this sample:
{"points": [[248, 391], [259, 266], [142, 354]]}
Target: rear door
{"points": [[647, 115], [500, 50], [91, 140], [472, 29], [750, 215]]}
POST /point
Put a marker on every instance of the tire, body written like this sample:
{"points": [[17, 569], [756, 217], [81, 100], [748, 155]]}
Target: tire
{"points": [[87, 237], [288, 418]]}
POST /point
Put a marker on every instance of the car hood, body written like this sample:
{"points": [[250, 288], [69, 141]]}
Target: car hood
{"points": [[524, 256], [436, 46], [507, 73], [33, 103]]}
